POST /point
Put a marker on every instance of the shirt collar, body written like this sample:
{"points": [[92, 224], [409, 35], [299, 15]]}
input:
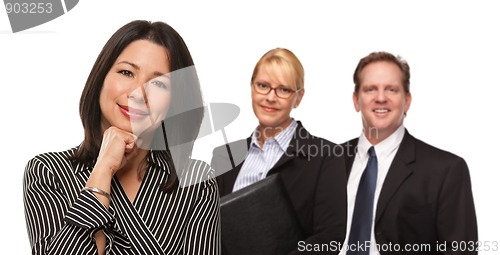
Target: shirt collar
{"points": [[382, 149], [282, 139], [155, 159]]}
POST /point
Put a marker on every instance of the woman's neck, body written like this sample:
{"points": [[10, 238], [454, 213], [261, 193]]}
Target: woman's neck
{"points": [[266, 132], [134, 164]]}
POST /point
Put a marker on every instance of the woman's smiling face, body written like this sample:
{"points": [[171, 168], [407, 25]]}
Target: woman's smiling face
{"points": [[136, 93]]}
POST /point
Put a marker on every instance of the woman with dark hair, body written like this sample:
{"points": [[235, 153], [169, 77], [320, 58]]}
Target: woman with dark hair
{"points": [[130, 187]]}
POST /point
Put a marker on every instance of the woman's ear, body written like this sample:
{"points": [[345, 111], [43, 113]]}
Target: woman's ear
{"points": [[298, 98]]}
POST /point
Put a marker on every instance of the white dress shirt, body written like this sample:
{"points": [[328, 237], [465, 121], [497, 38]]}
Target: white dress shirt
{"points": [[385, 150]]}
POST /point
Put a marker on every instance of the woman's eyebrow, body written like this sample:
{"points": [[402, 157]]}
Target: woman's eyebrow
{"points": [[129, 63], [135, 66], [166, 75]]}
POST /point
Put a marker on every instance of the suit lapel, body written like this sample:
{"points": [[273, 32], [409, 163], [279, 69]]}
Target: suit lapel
{"points": [[230, 176], [399, 171], [297, 147]]}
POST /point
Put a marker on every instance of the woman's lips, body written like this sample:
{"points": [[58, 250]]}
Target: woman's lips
{"points": [[133, 113], [269, 109]]}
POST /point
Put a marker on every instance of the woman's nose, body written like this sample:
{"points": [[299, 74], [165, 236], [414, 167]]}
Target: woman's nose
{"points": [[137, 93], [271, 96]]}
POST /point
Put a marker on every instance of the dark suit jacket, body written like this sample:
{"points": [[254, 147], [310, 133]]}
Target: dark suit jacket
{"points": [[313, 172], [426, 198]]}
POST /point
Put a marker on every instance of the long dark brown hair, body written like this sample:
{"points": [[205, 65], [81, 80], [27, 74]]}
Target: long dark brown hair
{"points": [[186, 97]]}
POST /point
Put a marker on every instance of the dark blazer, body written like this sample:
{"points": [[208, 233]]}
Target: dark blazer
{"points": [[313, 172], [426, 198]]}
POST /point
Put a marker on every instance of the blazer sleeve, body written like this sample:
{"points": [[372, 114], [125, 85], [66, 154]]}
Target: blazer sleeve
{"points": [[456, 217], [55, 226], [330, 208]]}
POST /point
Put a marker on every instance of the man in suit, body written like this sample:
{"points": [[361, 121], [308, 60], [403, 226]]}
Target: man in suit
{"points": [[418, 198], [312, 171]]}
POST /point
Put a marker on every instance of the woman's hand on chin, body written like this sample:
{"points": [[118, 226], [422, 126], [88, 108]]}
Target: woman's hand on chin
{"points": [[117, 148]]}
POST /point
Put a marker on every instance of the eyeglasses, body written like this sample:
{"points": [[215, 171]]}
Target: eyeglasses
{"points": [[281, 91]]}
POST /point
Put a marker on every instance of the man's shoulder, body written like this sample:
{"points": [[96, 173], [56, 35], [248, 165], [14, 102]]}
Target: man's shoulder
{"points": [[429, 158], [302, 134], [349, 147], [351, 142], [431, 151]]}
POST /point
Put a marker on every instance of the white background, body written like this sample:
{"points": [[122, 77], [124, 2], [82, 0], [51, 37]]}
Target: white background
{"points": [[452, 49]]}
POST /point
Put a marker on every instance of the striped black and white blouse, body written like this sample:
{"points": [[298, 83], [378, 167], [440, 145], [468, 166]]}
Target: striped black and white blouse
{"points": [[62, 219]]}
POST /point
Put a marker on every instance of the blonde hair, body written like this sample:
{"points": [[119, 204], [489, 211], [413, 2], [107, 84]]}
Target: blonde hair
{"points": [[283, 60]]}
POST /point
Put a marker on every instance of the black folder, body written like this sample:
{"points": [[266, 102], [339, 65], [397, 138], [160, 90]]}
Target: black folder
{"points": [[259, 219]]}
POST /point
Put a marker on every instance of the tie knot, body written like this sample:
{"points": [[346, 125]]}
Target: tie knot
{"points": [[371, 152]]}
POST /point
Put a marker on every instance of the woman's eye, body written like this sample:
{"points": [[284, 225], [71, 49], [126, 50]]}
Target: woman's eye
{"points": [[160, 84], [262, 85], [126, 73], [286, 90]]}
